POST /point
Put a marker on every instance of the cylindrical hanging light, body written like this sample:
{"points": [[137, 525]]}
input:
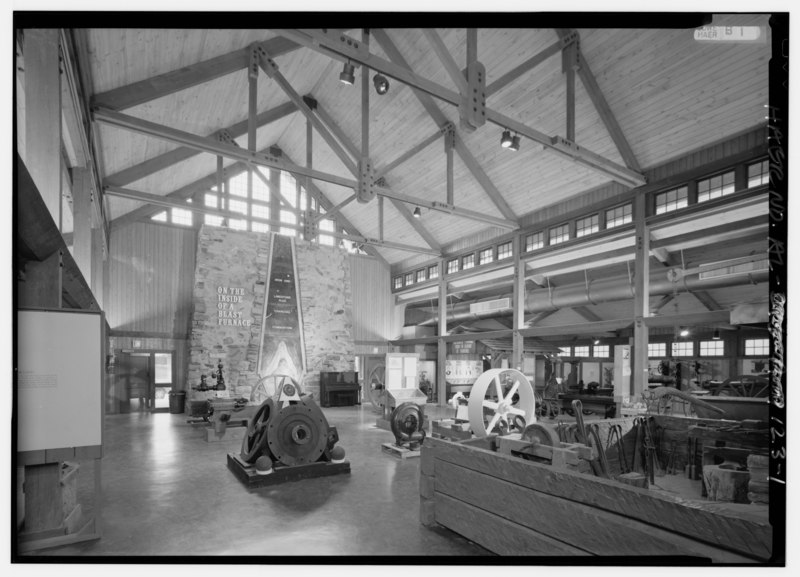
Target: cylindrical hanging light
{"points": [[506, 140], [514, 143], [347, 75], [417, 213]]}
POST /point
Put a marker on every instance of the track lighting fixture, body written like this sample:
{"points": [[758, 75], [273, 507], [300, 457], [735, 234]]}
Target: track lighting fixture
{"points": [[597, 341], [684, 332], [506, 140], [514, 143], [347, 75], [381, 84], [417, 213], [716, 335]]}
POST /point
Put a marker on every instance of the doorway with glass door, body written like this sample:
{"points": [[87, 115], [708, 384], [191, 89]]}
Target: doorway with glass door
{"points": [[144, 381]]}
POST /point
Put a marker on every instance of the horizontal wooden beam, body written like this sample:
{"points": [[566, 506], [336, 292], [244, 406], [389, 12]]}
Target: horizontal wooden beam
{"points": [[155, 164], [186, 77], [211, 146], [446, 208], [320, 42]]}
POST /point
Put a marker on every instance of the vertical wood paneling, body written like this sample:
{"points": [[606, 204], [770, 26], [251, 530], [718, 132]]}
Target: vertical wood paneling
{"points": [[372, 300], [151, 277]]}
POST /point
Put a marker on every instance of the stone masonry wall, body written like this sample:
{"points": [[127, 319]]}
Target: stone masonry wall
{"points": [[228, 299]]}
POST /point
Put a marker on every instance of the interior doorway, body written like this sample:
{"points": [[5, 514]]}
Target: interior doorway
{"points": [[143, 381]]}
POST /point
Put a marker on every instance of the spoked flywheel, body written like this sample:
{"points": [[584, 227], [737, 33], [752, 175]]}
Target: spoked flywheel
{"points": [[497, 396], [298, 434], [271, 386]]}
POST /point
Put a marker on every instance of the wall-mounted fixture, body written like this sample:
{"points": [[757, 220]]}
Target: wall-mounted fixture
{"points": [[347, 75]]}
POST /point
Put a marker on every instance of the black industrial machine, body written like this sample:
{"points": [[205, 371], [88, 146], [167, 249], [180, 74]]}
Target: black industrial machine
{"points": [[288, 439]]}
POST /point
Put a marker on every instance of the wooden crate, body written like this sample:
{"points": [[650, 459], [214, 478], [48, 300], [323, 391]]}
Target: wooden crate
{"points": [[512, 506]]}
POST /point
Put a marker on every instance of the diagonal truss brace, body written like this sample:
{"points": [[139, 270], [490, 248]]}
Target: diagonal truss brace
{"points": [[320, 42]]}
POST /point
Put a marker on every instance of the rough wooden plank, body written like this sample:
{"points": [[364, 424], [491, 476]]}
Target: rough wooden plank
{"points": [[247, 474], [426, 483], [57, 455], [399, 452], [721, 529], [43, 506], [26, 458], [427, 512], [495, 533], [427, 457], [598, 532]]}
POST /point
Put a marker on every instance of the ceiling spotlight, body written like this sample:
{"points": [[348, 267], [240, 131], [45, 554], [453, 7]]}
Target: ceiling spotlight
{"points": [[597, 341], [716, 335], [506, 140], [684, 332], [381, 83], [417, 213], [514, 143], [347, 75]]}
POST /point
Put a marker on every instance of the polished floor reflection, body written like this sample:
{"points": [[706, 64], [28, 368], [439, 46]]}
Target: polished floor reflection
{"points": [[166, 491]]}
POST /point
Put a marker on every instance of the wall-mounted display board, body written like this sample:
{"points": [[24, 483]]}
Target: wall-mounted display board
{"points": [[59, 379]]}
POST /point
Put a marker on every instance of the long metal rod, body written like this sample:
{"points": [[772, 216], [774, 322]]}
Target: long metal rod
{"points": [[321, 43]]}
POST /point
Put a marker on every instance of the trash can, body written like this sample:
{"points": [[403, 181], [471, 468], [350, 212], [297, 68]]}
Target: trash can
{"points": [[176, 401]]}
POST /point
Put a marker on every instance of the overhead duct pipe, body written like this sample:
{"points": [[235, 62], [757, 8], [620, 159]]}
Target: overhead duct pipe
{"points": [[594, 292]]}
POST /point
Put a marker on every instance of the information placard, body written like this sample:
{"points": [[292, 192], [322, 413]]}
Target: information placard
{"points": [[59, 379]]}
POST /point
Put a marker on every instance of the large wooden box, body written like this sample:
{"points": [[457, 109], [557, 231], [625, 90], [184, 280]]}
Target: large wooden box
{"points": [[511, 506]]}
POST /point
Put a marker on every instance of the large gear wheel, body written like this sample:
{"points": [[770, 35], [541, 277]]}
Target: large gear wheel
{"points": [[374, 386], [298, 434], [271, 386], [499, 395], [255, 440]]}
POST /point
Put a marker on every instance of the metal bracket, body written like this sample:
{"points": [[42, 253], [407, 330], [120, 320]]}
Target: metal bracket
{"points": [[310, 225], [442, 205], [473, 104], [449, 131], [346, 43], [225, 136], [569, 38], [565, 145], [365, 191], [267, 63], [255, 56]]}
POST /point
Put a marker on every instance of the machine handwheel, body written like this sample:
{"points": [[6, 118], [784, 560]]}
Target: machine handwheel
{"points": [[255, 439], [492, 399], [375, 386]]}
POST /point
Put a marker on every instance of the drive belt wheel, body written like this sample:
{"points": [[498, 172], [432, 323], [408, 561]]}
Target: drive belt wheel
{"points": [[538, 433], [254, 442], [298, 434], [406, 420]]}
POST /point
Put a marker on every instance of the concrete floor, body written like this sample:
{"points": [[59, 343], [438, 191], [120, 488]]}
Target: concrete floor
{"points": [[167, 491]]}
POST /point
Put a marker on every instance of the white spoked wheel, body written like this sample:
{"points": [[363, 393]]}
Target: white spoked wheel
{"points": [[491, 400]]}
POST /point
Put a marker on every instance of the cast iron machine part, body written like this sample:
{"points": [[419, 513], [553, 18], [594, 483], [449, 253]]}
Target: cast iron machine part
{"points": [[375, 386], [296, 434], [406, 421], [500, 395]]}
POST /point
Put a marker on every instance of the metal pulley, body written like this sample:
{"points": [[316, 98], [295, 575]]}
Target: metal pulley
{"points": [[406, 422], [298, 434]]}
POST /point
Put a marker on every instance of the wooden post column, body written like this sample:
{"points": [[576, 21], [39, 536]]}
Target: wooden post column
{"points": [[43, 115], [518, 305], [642, 299], [82, 221], [441, 345]]}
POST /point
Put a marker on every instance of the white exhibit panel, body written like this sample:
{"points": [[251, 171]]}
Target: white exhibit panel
{"points": [[59, 379]]}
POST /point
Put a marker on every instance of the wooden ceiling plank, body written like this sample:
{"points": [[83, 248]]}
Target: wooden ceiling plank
{"points": [[318, 41], [706, 300], [337, 131], [603, 109], [483, 179], [271, 69], [523, 68], [408, 154], [446, 59], [186, 77], [212, 146]]}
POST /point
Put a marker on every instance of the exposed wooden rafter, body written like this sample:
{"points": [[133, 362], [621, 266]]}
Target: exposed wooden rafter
{"points": [[603, 109], [446, 59], [162, 161], [186, 77], [523, 68], [320, 42]]}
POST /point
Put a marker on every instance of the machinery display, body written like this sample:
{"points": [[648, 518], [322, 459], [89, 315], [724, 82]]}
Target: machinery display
{"points": [[502, 399], [407, 425], [287, 439]]}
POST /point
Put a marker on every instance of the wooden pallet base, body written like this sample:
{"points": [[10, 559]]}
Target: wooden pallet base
{"points": [[450, 429], [399, 452], [248, 475]]}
